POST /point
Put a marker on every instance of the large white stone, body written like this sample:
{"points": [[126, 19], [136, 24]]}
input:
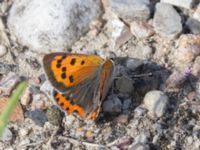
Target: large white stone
{"points": [[51, 25]]}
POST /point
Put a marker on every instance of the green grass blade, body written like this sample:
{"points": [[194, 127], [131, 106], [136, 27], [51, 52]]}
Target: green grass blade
{"points": [[11, 104]]}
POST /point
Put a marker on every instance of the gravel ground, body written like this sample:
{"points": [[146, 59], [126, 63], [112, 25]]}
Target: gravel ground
{"points": [[154, 100]]}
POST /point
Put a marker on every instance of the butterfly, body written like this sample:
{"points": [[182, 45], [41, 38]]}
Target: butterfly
{"points": [[80, 81]]}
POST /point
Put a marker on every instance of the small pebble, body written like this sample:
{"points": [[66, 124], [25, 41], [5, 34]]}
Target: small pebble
{"points": [[124, 143], [46, 88], [196, 67], [123, 119], [147, 52], [25, 141], [9, 83], [23, 132], [124, 85], [7, 135], [191, 95], [39, 102], [3, 50], [126, 104], [90, 136], [193, 25], [54, 115], [188, 49], [26, 98], [112, 104], [69, 121], [175, 80], [156, 102], [141, 29], [142, 138], [38, 116]]}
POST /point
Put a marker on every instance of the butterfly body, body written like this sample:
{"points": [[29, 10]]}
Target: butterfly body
{"points": [[80, 81]]}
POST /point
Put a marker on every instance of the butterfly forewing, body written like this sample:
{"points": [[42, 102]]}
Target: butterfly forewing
{"points": [[68, 70]]}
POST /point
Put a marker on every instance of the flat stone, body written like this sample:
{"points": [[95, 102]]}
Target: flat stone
{"points": [[156, 102], [180, 3], [120, 33], [141, 29], [167, 21], [130, 10], [112, 104], [50, 25], [38, 116], [124, 85]]}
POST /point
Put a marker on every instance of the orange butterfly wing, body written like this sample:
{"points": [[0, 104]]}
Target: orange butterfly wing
{"points": [[81, 81]]}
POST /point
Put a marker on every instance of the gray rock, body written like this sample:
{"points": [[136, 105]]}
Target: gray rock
{"points": [[124, 85], [38, 116], [167, 21], [130, 10], [156, 102], [139, 146], [196, 14], [193, 25], [7, 135], [112, 104], [51, 25], [180, 3]]}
